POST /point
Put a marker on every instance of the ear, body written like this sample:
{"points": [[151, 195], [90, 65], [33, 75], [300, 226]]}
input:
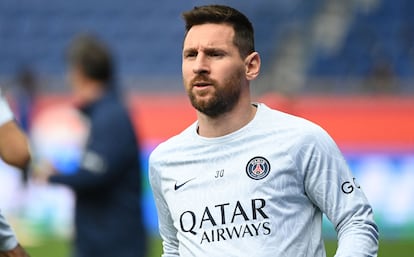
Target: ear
{"points": [[252, 64]]}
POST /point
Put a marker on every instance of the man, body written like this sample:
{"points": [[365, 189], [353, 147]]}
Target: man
{"points": [[14, 150], [107, 184], [245, 180]]}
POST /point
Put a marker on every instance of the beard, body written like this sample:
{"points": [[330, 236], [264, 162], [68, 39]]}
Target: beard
{"points": [[223, 98]]}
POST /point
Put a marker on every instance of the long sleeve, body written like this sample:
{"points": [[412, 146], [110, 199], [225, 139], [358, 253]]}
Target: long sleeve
{"points": [[331, 186], [7, 238], [166, 228], [110, 139]]}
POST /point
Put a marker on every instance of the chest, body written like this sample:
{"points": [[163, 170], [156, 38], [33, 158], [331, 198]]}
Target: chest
{"points": [[227, 183]]}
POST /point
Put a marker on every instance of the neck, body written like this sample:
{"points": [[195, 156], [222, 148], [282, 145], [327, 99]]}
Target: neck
{"points": [[90, 93], [226, 123]]}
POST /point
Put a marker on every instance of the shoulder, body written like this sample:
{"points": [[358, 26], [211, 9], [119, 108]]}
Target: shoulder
{"points": [[173, 145], [110, 110], [294, 134], [109, 119], [295, 126], [307, 144]]}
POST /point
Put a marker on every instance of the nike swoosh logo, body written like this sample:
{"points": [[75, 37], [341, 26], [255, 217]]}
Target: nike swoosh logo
{"points": [[176, 187]]}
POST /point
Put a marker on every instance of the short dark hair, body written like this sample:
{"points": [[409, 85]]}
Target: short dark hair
{"points": [[243, 28], [92, 57]]}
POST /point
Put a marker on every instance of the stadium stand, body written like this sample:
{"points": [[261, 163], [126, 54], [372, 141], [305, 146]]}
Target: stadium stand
{"points": [[144, 34], [383, 36]]}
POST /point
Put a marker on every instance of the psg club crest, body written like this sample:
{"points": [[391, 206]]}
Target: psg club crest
{"points": [[258, 168]]}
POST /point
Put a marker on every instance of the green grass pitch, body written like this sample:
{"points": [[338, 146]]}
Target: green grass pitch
{"points": [[61, 248]]}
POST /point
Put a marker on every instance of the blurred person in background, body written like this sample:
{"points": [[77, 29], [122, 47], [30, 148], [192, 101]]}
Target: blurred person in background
{"points": [[107, 184], [382, 78], [24, 95], [244, 179], [14, 150]]}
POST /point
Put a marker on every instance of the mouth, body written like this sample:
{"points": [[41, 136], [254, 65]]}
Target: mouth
{"points": [[202, 84]]}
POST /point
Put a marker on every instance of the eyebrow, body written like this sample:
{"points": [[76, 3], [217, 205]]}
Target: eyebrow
{"points": [[205, 49], [214, 50], [189, 50]]}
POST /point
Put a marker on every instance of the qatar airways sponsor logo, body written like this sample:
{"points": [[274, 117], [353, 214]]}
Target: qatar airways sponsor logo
{"points": [[227, 221]]}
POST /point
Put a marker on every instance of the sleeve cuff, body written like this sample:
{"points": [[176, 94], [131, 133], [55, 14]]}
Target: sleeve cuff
{"points": [[7, 244], [8, 240]]}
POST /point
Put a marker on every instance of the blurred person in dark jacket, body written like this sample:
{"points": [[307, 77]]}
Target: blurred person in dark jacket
{"points": [[107, 184]]}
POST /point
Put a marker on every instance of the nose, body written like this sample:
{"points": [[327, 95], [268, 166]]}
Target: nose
{"points": [[201, 64]]}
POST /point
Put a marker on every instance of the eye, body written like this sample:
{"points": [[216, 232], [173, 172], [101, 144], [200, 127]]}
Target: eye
{"points": [[216, 54], [190, 54]]}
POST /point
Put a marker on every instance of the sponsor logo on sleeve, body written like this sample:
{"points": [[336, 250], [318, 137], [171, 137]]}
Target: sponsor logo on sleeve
{"points": [[349, 186]]}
